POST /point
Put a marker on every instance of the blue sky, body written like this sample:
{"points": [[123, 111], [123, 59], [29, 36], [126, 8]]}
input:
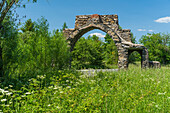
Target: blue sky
{"points": [[141, 16]]}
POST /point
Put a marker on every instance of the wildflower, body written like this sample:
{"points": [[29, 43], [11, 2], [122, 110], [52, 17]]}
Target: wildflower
{"points": [[6, 91], [41, 76], [55, 88], [58, 107], [50, 87], [61, 91], [9, 93], [69, 87], [23, 95], [161, 93], [3, 100], [156, 106], [27, 93], [2, 90], [49, 105], [67, 80], [10, 86], [7, 105]]}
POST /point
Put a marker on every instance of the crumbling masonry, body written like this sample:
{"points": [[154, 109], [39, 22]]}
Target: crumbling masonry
{"points": [[109, 24]]}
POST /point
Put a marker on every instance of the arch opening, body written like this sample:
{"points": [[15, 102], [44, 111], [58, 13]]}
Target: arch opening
{"points": [[135, 58], [95, 49]]}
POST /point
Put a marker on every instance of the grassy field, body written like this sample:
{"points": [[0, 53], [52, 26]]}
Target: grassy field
{"points": [[133, 90]]}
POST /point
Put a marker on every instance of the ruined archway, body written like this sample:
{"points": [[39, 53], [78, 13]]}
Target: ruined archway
{"points": [[108, 24]]}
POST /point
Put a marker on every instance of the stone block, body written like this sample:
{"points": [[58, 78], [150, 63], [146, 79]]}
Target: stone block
{"points": [[154, 64]]}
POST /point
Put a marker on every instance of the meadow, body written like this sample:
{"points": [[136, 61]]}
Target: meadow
{"points": [[134, 90]]}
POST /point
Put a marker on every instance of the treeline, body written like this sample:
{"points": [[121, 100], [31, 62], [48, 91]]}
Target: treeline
{"points": [[32, 49]]}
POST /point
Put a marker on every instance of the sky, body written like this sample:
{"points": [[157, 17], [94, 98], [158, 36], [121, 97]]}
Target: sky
{"points": [[141, 16]]}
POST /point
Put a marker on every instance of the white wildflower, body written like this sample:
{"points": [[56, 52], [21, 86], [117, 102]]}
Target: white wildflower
{"points": [[9, 93], [49, 105], [161, 93], [10, 86], [69, 87], [27, 93], [2, 90], [3, 100], [41, 76], [6, 91], [61, 91], [23, 95], [50, 87], [55, 88], [67, 80], [58, 107]]}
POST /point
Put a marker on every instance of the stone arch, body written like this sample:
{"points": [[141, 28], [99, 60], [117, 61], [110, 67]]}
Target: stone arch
{"points": [[108, 24]]}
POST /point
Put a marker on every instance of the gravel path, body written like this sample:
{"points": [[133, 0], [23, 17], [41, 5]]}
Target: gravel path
{"points": [[92, 72]]}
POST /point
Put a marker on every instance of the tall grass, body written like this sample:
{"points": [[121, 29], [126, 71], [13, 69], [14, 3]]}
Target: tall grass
{"points": [[132, 90]]}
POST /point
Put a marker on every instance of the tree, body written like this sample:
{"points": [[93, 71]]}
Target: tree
{"points": [[110, 51], [64, 26], [6, 7], [158, 46], [29, 26], [87, 53], [35, 51]]}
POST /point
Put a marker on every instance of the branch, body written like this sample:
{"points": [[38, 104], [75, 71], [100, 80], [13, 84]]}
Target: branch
{"points": [[4, 12], [1, 5]]}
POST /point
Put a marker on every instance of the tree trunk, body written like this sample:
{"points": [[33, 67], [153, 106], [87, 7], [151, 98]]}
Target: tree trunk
{"points": [[1, 62]]}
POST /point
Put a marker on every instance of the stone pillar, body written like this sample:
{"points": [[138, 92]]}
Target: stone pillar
{"points": [[122, 58], [144, 58]]}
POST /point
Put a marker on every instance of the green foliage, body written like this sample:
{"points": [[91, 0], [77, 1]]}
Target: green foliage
{"points": [[133, 57], [93, 53], [133, 90], [158, 46], [29, 26], [36, 51], [110, 51], [87, 53]]}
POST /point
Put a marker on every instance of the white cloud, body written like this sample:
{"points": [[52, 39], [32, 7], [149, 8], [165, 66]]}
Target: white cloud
{"points": [[98, 34], [150, 30], [141, 29], [163, 20]]}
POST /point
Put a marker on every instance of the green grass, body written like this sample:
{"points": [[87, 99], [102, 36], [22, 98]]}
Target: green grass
{"points": [[133, 90]]}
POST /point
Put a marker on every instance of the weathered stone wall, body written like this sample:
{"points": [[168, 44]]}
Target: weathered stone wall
{"points": [[108, 24], [154, 64], [82, 20]]}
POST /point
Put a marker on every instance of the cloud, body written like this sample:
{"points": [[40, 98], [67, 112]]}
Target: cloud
{"points": [[141, 29], [163, 20], [98, 34], [150, 30]]}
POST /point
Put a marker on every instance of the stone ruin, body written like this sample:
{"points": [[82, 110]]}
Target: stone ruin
{"points": [[109, 24]]}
